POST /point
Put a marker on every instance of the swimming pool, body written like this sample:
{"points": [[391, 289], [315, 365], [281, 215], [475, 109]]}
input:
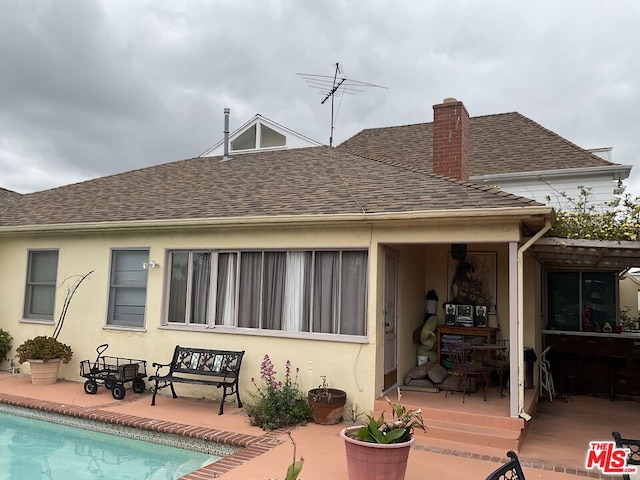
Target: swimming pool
{"points": [[36, 449]]}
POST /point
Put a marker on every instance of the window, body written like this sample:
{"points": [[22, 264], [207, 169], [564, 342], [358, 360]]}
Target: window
{"points": [[128, 288], [258, 136], [42, 271], [581, 300], [296, 291]]}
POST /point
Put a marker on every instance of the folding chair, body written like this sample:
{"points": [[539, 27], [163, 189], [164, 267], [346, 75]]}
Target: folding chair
{"points": [[512, 470], [546, 379]]}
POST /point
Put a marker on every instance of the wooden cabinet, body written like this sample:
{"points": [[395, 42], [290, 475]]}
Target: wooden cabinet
{"points": [[448, 334]]}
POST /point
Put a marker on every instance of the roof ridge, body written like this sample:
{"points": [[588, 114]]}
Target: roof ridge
{"points": [[392, 127]]}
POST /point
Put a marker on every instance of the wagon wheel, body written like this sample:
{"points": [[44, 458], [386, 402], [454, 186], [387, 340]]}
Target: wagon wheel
{"points": [[110, 381], [138, 385], [118, 391], [90, 387]]}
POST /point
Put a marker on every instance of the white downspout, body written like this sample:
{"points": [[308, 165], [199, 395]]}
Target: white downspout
{"points": [[520, 343]]}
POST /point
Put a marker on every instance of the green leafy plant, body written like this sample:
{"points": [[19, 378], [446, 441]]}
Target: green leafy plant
{"points": [[296, 465], [43, 348], [627, 321], [397, 430], [5, 343], [277, 404]]}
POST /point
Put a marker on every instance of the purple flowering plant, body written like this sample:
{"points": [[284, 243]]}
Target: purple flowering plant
{"points": [[277, 403]]}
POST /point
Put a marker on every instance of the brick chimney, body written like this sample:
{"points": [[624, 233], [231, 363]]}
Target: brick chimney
{"points": [[451, 139]]}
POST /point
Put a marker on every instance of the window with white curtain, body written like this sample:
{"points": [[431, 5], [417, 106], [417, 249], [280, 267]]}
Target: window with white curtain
{"points": [[292, 291], [128, 288], [40, 293]]}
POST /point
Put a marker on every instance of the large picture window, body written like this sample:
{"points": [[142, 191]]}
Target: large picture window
{"points": [[40, 292], [581, 301], [128, 289], [294, 291]]}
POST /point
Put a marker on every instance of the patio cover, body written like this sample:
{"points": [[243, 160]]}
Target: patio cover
{"points": [[580, 254]]}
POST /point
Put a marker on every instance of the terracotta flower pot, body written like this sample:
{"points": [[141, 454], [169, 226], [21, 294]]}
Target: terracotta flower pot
{"points": [[375, 461], [44, 372], [327, 405]]}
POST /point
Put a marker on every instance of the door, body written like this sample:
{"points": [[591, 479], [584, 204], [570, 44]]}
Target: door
{"points": [[390, 318]]}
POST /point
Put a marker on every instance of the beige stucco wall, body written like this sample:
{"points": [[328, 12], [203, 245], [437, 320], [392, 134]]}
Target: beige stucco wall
{"points": [[356, 367]]}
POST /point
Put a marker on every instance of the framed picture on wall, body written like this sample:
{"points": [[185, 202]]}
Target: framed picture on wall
{"points": [[472, 280]]}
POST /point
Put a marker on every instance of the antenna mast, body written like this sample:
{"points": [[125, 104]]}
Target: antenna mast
{"points": [[332, 86]]}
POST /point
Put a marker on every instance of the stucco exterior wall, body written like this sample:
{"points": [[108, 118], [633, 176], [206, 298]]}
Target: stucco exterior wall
{"points": [[354, 366]]}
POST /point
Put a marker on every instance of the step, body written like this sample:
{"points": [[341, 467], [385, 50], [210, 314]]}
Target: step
{"points": [[456, 416], [468, 434], [467, 431]]}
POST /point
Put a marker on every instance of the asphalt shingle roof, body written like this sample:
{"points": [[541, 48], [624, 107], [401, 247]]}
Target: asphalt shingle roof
{"points": [[7, 199], [503, 143], [308, 181]]}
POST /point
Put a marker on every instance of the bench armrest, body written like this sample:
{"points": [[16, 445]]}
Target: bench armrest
{"points": [[159, 366]]}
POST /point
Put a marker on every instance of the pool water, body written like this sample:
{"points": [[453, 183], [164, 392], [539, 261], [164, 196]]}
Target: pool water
{"points": [[34, 449]]}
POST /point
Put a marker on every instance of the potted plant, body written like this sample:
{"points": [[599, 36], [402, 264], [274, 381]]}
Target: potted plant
{"points": [[44, 355], [627, 322], [379, 448], [326, 403], [5, 344]]}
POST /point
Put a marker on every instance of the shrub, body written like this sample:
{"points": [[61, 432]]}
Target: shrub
{"points": [[43, 348], [5, 343], [277, 404]]}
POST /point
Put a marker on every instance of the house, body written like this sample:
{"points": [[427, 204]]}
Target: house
{"points": [[316, 255]]}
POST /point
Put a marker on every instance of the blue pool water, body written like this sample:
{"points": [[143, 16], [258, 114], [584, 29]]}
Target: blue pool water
{"points": [[32, 449]]}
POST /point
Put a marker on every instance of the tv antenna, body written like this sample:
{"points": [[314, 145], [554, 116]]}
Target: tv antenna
{"points": [[336, 85]]}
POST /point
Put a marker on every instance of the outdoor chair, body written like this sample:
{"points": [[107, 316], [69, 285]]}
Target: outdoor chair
{"points": [[463, 366], [499, 363], [546, 379], [512, 470], [634, 454]]}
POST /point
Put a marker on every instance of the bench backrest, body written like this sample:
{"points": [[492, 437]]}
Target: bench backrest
{"points": [[202, 361]]}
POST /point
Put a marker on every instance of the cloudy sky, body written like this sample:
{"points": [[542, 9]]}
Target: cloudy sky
{"points": [[90, 88]]}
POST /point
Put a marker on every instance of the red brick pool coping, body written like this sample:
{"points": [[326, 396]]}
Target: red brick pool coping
{"points": [[251, 446]]}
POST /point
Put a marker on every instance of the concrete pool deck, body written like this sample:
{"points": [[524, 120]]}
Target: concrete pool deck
{"points": [[555, 447]]}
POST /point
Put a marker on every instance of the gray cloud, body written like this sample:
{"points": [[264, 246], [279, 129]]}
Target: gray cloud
{"points": [[95, 88]]}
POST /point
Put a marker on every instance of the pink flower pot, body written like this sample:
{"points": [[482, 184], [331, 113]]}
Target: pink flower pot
{"points": [[375, 461]]}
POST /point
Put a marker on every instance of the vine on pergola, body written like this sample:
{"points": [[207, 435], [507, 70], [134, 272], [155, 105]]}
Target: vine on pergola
{"points": [[617, 220]]}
